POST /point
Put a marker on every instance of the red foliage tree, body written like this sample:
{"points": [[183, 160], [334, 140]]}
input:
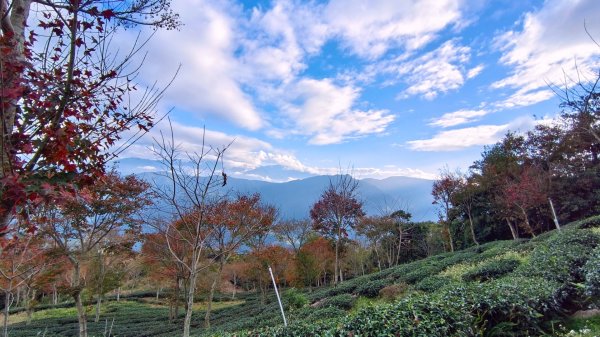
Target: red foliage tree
{"points": [[65, 96], [231, 223], [85, 222], [337, 211], [524, 193], [314, 261], [443, 191]]}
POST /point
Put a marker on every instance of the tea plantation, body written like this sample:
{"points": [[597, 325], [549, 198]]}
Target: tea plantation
{"points": [[503, 288]]}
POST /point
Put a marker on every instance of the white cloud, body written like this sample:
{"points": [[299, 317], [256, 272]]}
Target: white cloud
{"points": [[371, 28], [458, 117], [326, 112], [205, 47], [519, 99], [473, 72], [436, 72], [243, 153], [551, 42], [458, 139], [453, 140]]}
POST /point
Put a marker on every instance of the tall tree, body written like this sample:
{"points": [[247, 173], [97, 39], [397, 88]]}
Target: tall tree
{"points": [[293, 232], [337, 211], [193, 184], [465, 198], [232, 223], [65, 96], [84, 223], [23, 259], [443, 191]]}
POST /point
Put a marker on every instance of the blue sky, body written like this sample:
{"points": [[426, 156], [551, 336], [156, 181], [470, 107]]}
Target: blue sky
{"points": [[387, 87]]}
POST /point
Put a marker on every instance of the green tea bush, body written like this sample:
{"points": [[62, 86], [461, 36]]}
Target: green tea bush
{"points": [[491, 270], [434, 283], [342, 301], [372, 288], [561, 257], [591, 222], [514, 306], [592, 276]]}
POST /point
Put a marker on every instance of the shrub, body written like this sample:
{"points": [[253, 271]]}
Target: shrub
{"points": [[592, 276], [342, 301], [561, 258], [433, 283], [514, 306], [371, 288], [591, 222], [490, 270], [294, 299], [393, 291]]}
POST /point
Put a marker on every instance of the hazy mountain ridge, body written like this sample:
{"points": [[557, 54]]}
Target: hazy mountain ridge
{"points": [[295, 197]]}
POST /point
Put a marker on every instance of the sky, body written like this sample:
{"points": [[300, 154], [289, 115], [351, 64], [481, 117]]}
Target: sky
{"points": [[387, 88]]}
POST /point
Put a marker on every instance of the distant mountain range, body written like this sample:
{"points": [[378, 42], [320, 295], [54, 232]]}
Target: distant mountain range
{"points": [[300, 191]]}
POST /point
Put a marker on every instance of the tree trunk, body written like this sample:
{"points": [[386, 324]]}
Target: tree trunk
{"points": [[234, 286], [98, 304], [472, 228], [81, 315], [190, 300], [400, 233], [378, 258], [513, 230], [210, 298], [447, 228], [336, 266], [12, 22], [118, 294], [7, 295], [29, 305], [527, 225], [54, 294]]}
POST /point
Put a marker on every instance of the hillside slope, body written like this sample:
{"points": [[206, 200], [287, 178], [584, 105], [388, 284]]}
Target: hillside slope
{"points": [[502, 288]]}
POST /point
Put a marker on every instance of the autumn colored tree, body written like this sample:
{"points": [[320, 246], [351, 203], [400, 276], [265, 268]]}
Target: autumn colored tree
{"points": [[315, 261], [465, 199], [278, 258], [106, 268], [337, 211], [65, 96], [84, 223], [293, 232], [193, 184], [231, 224], [19, 263], [524, 193], [443, 190], [163, 268]]}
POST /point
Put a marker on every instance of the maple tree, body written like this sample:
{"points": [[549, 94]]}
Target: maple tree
{"points": [[337, 211], [231, 223], [442, 191], [84, 223], [65, 95], [192, 185], [293, 232], [525, 192], [278, 258], [19, 264], [314, 261], [163, 269]]}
